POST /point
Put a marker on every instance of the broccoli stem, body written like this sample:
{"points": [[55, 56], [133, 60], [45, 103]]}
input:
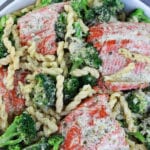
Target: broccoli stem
{"points": [[55, 141], [22, 129], [12, 142], [6, 140], [3, 22], [138, 136], [38, 146]]}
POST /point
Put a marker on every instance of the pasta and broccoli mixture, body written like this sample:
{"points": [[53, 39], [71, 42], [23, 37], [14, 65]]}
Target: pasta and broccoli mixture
{"points": [[74, 75]]}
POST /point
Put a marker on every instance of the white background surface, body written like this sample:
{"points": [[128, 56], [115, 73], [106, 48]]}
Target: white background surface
{"points": [[17, 4]]}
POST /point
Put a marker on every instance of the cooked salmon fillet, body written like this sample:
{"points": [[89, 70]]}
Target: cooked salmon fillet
{"points": [[39, 26], [90, 127], [135, 39], [14, 103]]}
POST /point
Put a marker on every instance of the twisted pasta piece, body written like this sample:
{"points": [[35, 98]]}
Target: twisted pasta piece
{"points": [[70, 20], [116, 110], [48, 123], [8, 27], [18, 54], [51, 71], [27, 9], [37, 2], [85, 71], [13, 60], [60, 52], [31, 77], [38, 56], [53, 113], [5, 37], [85, 92], [134, 146], [134, 56], [25, 91], [119, 74], [3, 115], [9, 79], [10, 48], [59, 93], [83, 26], [28, 66], [53, 64], [15, 34], [60, 59], [114, 99], [6, 60], [32, 61], [128, 115]]}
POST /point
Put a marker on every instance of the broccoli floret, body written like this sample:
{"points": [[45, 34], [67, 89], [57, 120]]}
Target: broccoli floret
{"points": [[22, 129], [55, 141], [137, 135], [109, 8], [102, 13], [139, 15], [44, 92], [71, 87], [122, 122], [88, 79], [79, 33], [3, 50], [114, 6], [90, 16], [147, 89], [73, 84], [3, 22], [137, 102], [80, 6], [83, 10], [88, 56], [60, 26], [143, 133], [44, 3]]}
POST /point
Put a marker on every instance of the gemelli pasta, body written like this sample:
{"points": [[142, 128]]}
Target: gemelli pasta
{"points": [[73, 76]]}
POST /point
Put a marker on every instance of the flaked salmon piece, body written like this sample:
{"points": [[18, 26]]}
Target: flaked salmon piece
{"points": [[39, 26], [14, 103], [121, 33], [90, 127], [109, 38], [117, 86]]}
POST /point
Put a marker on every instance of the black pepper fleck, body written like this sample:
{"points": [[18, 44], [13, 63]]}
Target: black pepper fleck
{"points": [[110, 53]]}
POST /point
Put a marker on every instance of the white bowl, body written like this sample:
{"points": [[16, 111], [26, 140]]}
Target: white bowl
{"points": [[15, 5], [132, 4], [129, 6]]}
